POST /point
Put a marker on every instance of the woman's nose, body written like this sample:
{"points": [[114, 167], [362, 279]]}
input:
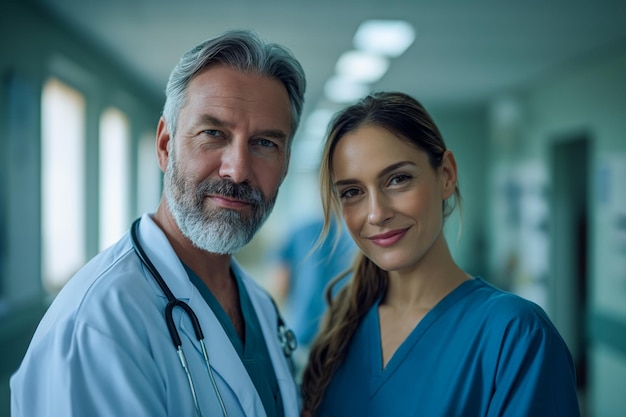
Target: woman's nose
{"points": [[379, 209]]}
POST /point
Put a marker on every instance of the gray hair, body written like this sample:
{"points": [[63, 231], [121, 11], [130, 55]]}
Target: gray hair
{"points": [[244, 51]]}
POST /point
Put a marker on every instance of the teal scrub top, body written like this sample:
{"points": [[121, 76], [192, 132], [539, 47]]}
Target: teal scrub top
{"points": [[480, 352], [253, 353]]}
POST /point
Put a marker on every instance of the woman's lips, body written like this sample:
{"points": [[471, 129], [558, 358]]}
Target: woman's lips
{"points": [[388, 238]]}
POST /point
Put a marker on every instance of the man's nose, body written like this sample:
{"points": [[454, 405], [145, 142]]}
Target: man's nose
{"points": [[236, 163]]}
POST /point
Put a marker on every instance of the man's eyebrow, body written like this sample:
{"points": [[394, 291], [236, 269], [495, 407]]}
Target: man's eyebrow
{"points": [[269, 133], [212, 120], [382, 173], [273, 133]]}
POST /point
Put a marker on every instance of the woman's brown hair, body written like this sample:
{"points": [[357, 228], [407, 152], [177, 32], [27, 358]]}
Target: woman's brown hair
{"points": [[409, 121]]}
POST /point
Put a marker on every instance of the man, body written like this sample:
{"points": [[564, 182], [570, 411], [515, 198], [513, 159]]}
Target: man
{"points": [[103, 348]]}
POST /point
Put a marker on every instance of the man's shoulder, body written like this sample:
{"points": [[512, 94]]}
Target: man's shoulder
{"points": [[111, 274], [111, 267]]}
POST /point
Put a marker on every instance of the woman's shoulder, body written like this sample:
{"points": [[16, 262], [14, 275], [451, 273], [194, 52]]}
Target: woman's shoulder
{"points": [[505, 308]]}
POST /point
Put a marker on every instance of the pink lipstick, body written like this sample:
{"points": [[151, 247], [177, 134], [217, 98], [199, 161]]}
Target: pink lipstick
{"points": [[388, 238]]}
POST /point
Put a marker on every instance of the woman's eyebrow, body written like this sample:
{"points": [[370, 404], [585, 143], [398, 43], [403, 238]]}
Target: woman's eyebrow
{"points": [[345, 182], [382, 173], [393, 167]]}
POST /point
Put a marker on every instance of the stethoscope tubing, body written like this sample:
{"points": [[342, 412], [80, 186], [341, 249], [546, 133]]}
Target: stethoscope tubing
{"points": [[173, 302]]}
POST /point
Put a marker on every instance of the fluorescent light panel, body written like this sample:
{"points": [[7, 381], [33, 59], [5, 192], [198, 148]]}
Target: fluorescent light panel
{"points": [[362, 67], [343, 90], [387, 37]]}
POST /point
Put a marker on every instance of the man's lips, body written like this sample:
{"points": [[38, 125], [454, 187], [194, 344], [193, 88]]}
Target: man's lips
{"points": [[229, 202], [388, 238]]}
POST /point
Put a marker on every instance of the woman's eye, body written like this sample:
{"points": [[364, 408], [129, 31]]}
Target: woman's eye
{"points": [[347, 193], [399, 179]]}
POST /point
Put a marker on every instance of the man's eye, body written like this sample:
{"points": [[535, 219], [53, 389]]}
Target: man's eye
{"points": [[266, 143], [211, 132]]}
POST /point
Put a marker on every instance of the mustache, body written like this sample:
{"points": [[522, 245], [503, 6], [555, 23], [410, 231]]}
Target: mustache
{"points": [[225, 188]]}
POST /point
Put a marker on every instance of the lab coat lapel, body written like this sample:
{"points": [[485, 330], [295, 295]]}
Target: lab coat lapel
{"points": [[162, 255], [223, 357], [267, 314]]}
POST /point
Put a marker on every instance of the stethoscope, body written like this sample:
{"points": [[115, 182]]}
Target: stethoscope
{"points": [[286, 337]]}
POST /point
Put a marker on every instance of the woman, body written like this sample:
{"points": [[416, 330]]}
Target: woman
{"points": [[412, 334]]}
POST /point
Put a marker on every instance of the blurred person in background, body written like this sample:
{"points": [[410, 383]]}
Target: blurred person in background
{"points": [[412, 334], [304, 269]]}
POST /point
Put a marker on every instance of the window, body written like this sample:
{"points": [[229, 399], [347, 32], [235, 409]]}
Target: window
{"points": [[62, 171], [114, 176]]}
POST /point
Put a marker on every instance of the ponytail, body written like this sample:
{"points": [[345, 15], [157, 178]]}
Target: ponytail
{"points": [[344, 315]]}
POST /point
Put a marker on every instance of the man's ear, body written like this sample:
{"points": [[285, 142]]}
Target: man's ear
{"points": [[448, 175], [162, 144]]}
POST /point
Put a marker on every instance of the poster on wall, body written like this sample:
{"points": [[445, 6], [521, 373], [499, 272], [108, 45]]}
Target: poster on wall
{"points": [[521, 237], [534, 239], [610, 192]]}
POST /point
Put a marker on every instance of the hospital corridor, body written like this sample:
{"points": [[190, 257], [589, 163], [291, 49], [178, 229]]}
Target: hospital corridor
{"points": [[529, 95]]}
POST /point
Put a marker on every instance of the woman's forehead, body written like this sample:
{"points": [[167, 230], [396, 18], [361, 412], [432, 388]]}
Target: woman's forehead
{"points": [[371, 148]]}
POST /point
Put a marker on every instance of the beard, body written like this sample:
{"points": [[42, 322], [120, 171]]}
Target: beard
{"points": [[216, 230]]}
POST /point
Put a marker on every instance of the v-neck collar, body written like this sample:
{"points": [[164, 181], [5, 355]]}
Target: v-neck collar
{"points": [[380, 374], [222, 316]]}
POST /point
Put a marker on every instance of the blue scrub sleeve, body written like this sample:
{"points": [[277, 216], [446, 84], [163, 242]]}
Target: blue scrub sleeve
{"points": [[535, 375]]}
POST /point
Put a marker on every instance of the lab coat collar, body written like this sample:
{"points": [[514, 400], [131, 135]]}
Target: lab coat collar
{"points": [[160, 252], [268, 318]]}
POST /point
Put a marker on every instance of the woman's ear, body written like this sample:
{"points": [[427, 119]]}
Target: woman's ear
{"points": [[448, 175], [162, 144]]}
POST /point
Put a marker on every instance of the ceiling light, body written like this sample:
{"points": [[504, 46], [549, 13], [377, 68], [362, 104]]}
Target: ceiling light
{"points": [[362, 67], [386, 37], [343, 90]]}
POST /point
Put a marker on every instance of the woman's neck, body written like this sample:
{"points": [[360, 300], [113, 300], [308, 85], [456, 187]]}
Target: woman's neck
{"points": [[423, 286]]}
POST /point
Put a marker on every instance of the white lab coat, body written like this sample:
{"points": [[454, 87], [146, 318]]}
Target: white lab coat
{"points": [[103, 348]]}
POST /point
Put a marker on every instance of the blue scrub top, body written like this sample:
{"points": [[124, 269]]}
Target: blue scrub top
{"points": [[479, 352], [310, 273], [253, 353]]}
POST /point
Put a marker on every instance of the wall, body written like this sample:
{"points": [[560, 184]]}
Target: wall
{"points": [[586, 99], [465, 131], [33, 47]]}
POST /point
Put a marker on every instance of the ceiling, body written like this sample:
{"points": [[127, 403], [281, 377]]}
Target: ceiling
{"points": [[464, 52]]}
